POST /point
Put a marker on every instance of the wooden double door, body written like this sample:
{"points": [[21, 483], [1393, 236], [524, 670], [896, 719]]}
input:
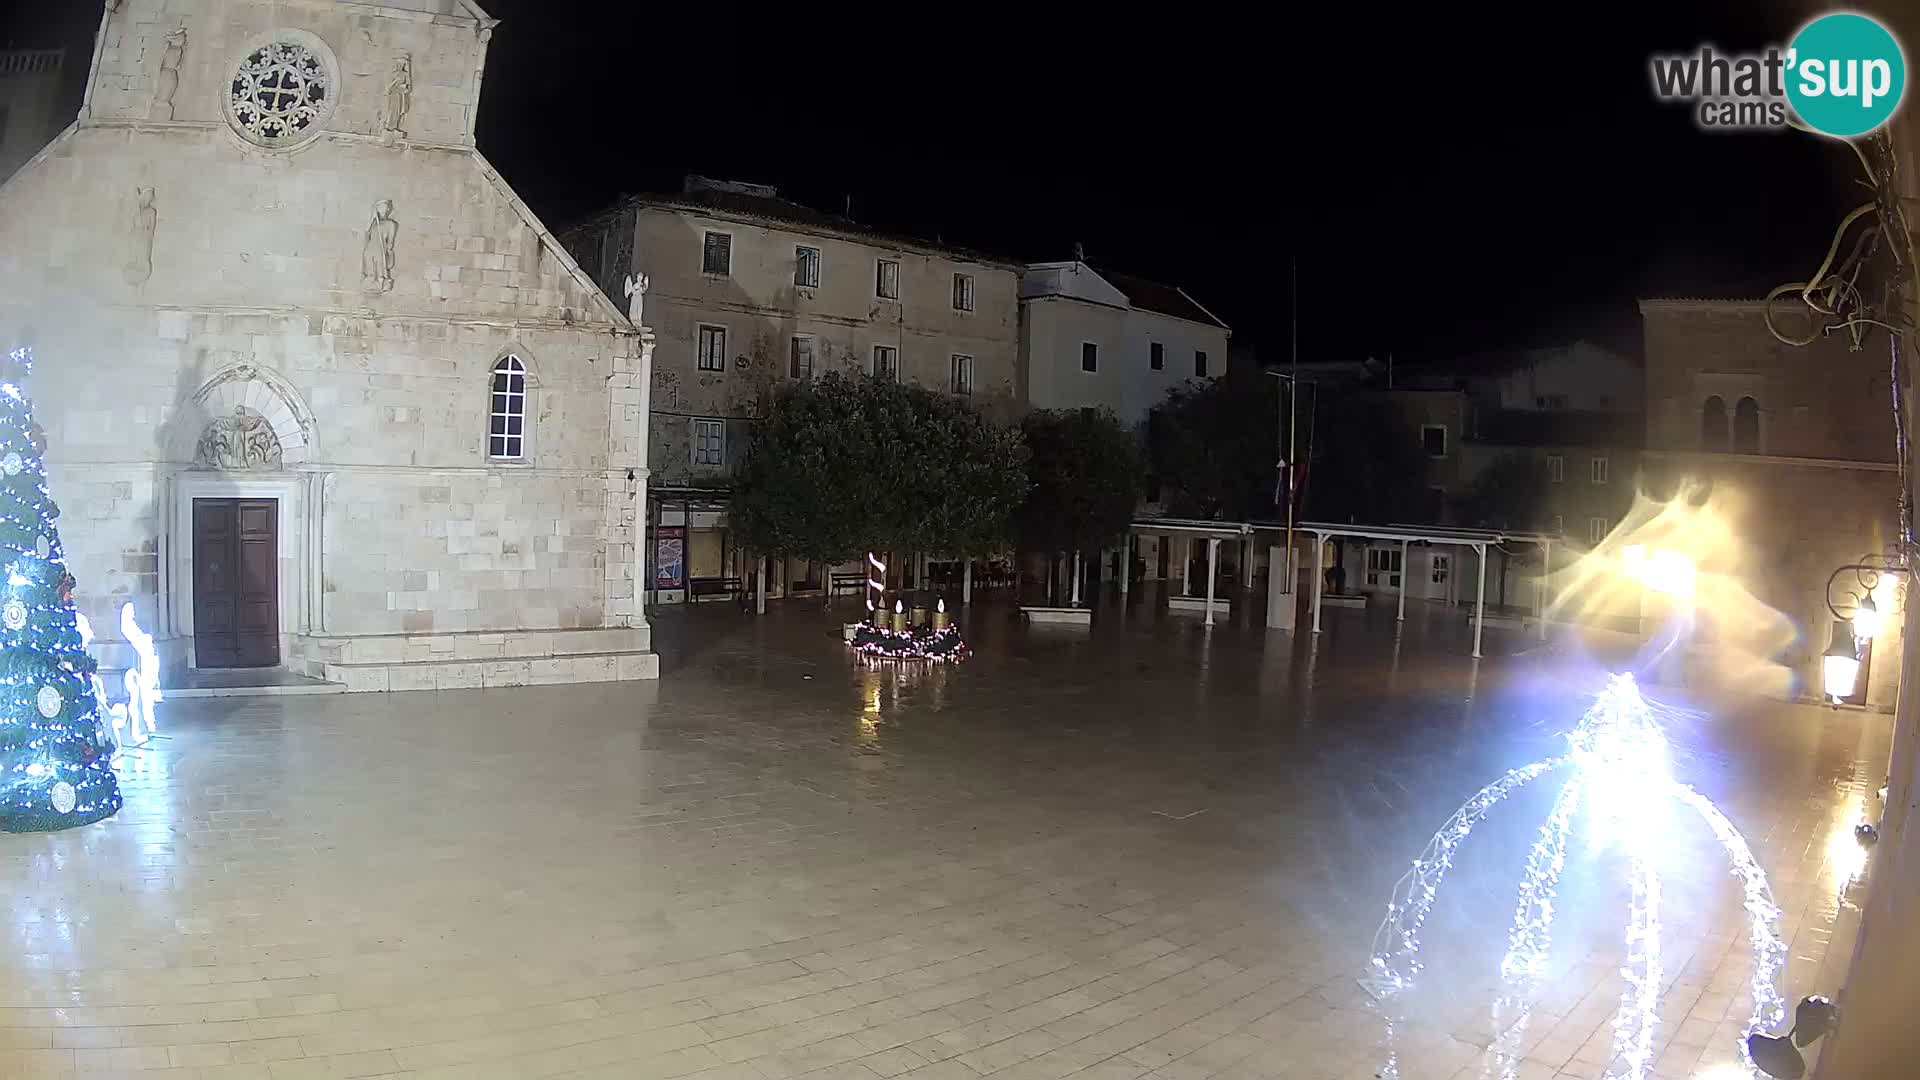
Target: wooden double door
{"points": [[236, 583]]}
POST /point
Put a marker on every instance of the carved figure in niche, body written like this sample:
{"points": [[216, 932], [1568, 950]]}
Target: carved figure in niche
{"points": [[399, 97], [140, 228], [636, 290], [376, 255], [242, 441], [168, 82]]}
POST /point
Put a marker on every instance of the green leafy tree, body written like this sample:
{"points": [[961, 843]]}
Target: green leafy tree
{"points": [[1085, 474], [55, 769], [1213, 449], [849, 463], [1508, 494], [1367, 464]]}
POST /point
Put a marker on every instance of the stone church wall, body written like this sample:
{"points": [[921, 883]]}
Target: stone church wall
{"points": [[166, 271]]}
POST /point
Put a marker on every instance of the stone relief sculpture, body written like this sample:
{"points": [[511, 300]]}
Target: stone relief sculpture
{"points": [[376, 255], [168, 82], [399, 97], [636, 290], [140, 228], [242, 441]]}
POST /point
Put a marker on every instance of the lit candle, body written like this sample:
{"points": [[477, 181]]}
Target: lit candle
{"points": [[899, 617], [940, 617]]}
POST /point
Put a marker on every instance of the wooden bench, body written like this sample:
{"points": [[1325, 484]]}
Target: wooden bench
{"points": [[848, 582], [713, 586]]}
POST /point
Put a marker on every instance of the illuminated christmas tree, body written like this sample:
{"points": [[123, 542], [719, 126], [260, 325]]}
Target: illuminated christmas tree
{"points": [[55, 768]]}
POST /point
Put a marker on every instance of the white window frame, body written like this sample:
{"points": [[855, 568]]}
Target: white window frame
{"points": [[1559, 525], [512, 447], [1597, 529], [962, 368], [1387, 562], [1441, 563], [1084, 369], [702, 425], [793, 356], [962, 291], [880, 279], [891, 369], [1599, 469], [1442, 429], [700, 354], [800, 276], [728, 272], [1556, 469]]}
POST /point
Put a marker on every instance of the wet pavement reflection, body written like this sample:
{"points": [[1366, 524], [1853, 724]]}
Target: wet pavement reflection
{"points": [[1148, 848]]}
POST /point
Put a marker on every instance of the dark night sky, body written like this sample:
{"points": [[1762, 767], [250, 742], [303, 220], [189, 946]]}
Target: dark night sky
{"points": [[1445, 187]]}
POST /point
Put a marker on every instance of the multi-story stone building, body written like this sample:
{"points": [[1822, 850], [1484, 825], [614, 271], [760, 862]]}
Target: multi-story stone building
{"points": [[320, 391], [746, 288], [1797, 445], [1099, 339]]}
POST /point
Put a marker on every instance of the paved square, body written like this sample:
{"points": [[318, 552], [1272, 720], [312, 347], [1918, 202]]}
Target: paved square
{"points": [[1152, 852]]}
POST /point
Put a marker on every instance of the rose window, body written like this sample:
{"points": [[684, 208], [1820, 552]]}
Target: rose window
{"points": [[280, 94]]}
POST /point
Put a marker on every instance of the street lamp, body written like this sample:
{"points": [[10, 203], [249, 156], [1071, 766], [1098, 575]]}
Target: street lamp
{"points": [[1840, 668], [1866, 618]]}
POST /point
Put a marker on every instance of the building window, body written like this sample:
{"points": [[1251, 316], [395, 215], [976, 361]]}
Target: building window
{"points": [[1433, 438], [962, 374], [886, 279], [1746, 427], [1596, 530], [506, 423], [800, 363], [709, 442], [1599, 470], [1556, 469], [1383, 562], [1559, 525], [1089, 356], [1156, 356], [806, 267], [1199, 363], [717, 256], [886, 362], [713, 348], [1713, 425], [282, 92], [1442, 568], [963, 292]]}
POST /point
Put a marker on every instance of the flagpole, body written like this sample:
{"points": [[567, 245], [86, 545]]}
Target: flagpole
{"points": [[1293, 398]]}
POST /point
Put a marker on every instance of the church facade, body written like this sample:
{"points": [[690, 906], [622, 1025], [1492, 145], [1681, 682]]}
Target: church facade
{"points": [[320, 392]]}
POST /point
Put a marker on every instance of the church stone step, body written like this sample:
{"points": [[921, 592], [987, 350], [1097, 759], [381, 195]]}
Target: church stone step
{"points": [[476, 645], [473, 674]]}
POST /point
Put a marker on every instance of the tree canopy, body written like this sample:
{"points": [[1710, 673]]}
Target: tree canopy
{"points": [[1367, 464], [850, 463], [1508, 494], [1213, 446], [1085, 474]]}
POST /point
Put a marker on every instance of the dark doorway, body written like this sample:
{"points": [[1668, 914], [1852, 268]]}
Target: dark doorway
{"points": [[236, 583]]}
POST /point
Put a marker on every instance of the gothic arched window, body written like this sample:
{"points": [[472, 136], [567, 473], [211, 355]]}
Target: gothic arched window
{"points": [[1746, 427], [1713, 425], [507, 420]]}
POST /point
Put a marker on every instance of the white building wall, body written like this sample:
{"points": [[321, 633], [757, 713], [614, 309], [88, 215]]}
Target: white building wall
{"points": [[400, 541], [1124, 380]]}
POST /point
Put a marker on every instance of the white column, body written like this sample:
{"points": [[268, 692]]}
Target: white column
{"points": [[1319, 545], [966, 582], [1480, 602], [1546, 570], [1246, 559], [1076, 578], [1213, 560], [1405, 573], [1126, 562], [759, 584], [1185, 550]]}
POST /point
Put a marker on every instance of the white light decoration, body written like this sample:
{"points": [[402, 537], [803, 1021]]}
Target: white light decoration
{"points": [[12, 464], [876, 586], [142, 682], [1621, 771], [13, 615], [63, 798], [49, 702]]}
